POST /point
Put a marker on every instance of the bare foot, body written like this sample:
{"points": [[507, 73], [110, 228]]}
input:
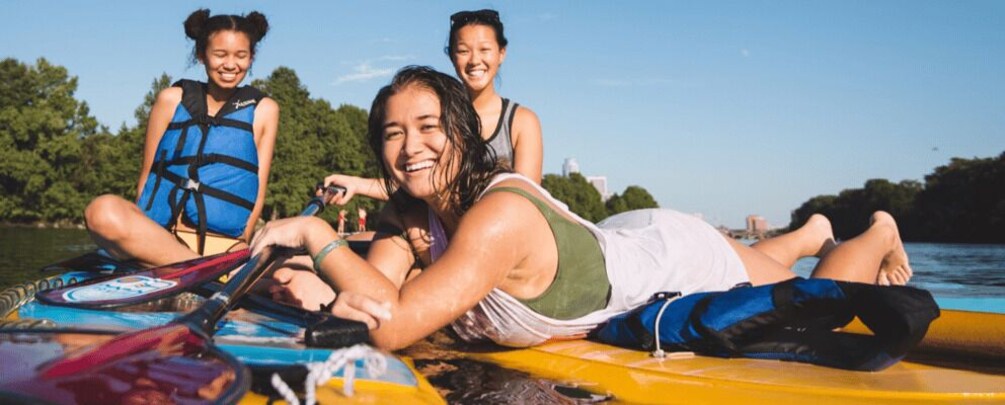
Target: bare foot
{"points": [[895, 268], [820, 230]]}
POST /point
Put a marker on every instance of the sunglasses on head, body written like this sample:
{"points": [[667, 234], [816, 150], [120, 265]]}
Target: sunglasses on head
{"points": [[463, 17]]}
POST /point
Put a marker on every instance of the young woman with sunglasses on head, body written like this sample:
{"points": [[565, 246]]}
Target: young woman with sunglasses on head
{"points": [[477, 48], [552, 275], [206, 159]]}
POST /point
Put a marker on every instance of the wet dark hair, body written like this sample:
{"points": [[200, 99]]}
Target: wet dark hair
{"points": [[199, 26], [475, 162], [461, 19]]}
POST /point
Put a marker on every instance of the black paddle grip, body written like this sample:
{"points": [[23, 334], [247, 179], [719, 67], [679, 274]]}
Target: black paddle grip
{"points": [[335, 332]]}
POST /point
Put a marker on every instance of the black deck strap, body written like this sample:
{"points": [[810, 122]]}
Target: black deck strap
{"points": [[335, 332]]}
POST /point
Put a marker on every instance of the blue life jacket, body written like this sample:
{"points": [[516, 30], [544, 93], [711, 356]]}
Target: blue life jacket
{"points": [[793, 320], [206, 167]]}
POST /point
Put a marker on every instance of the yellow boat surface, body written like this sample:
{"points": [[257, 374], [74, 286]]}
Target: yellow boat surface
{"points": [[365, 392], [961, 360]]}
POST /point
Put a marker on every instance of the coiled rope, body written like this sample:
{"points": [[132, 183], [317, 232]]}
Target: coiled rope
{"points": [[319, 373]]}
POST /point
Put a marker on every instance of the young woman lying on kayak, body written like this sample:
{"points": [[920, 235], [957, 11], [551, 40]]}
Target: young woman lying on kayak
{"points": [[552, 275]]}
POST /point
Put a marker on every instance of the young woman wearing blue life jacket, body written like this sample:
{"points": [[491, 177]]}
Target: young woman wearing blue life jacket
{"points": [[206, 159], [476, 47], [551, 275]]}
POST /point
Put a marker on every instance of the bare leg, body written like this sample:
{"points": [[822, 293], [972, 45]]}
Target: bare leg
{"points": [[863, 259], [119, 227], [875, 256], [814, 238]]}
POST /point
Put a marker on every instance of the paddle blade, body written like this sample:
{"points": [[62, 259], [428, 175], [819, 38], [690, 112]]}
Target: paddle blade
{"points": [[170, 364], [147, 285]]}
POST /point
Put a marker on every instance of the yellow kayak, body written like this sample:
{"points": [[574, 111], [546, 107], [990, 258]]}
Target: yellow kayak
{"points": [[366, 392], [962, 359]]}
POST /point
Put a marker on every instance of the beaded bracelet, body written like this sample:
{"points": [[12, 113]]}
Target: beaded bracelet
{"points": [[335, 244]]}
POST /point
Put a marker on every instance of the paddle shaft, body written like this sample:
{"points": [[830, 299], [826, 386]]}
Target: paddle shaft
{"points": [[205, 317], [169, 279]]}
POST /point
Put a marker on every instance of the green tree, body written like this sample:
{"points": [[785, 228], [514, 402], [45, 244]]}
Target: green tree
{"points": [[577, 193], [964, 201], [634, 198], [314, 140], [41, 129], [116, 160], [850, 210]]}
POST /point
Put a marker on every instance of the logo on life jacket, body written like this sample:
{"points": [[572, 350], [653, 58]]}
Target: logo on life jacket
{"points": [[238, 104]]}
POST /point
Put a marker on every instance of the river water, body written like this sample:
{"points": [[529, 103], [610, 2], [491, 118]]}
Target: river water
{"points": [[960, 276]]}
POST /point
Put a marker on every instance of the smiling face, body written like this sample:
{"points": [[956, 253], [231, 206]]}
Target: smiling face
{"points": [[227, 58], [477, 56], [415, 146]]}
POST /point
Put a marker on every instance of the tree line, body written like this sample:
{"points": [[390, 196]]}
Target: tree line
{"points": [[963, 201], [55, 156]]}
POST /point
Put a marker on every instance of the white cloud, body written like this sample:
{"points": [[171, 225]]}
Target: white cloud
{"points": [[652, 81], [363, 72], [396, 58]]}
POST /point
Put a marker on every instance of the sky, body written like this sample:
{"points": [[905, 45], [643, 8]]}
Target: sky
{"points": [[719, 108]]}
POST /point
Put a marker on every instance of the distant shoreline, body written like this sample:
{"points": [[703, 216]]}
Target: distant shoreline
{"points": [[43, 225]]}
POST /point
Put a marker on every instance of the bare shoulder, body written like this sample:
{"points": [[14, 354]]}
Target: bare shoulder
{"points": [[267, 109], [169, 97], [493, 214], [525, 116]]}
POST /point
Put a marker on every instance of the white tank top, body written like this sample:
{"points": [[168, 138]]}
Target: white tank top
{"points": [[648, 252]]}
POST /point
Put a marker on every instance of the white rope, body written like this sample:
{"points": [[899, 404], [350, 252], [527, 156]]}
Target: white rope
{"points": [[284, 390], [659, 353], [374, 362]]}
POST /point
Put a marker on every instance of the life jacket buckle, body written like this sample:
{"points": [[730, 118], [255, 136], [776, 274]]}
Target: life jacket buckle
{"points": [[192, 185]]}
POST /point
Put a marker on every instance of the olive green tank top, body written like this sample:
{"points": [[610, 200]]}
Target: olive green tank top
{"points": [[581, 285]]}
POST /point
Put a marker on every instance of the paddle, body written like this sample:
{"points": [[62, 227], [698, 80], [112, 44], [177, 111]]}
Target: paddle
{"points": [[160, 282], [176, 362]]}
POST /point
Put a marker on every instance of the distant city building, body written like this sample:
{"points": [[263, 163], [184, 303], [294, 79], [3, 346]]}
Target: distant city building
{"points": [[756, 225], [570, 166], [600, 183]]}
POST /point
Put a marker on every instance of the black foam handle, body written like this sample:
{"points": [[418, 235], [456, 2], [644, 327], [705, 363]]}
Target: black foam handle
{"points": [[335, 332]]}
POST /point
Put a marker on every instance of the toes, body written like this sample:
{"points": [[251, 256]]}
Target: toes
{"points": [[882, 279]]}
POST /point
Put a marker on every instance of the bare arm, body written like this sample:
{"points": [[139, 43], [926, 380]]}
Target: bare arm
{"points": [[266, 128], [354, 185], [528, 147], [160, 116], [482, 254]]}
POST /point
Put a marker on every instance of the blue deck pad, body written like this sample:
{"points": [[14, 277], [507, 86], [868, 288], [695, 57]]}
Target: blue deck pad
{"points": [[975, 304], [397, 371], [237, 323]]}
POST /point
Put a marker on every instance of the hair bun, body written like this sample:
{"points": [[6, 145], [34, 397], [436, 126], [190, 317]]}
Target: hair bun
{"points": [[195, 23], [260, 23]]}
